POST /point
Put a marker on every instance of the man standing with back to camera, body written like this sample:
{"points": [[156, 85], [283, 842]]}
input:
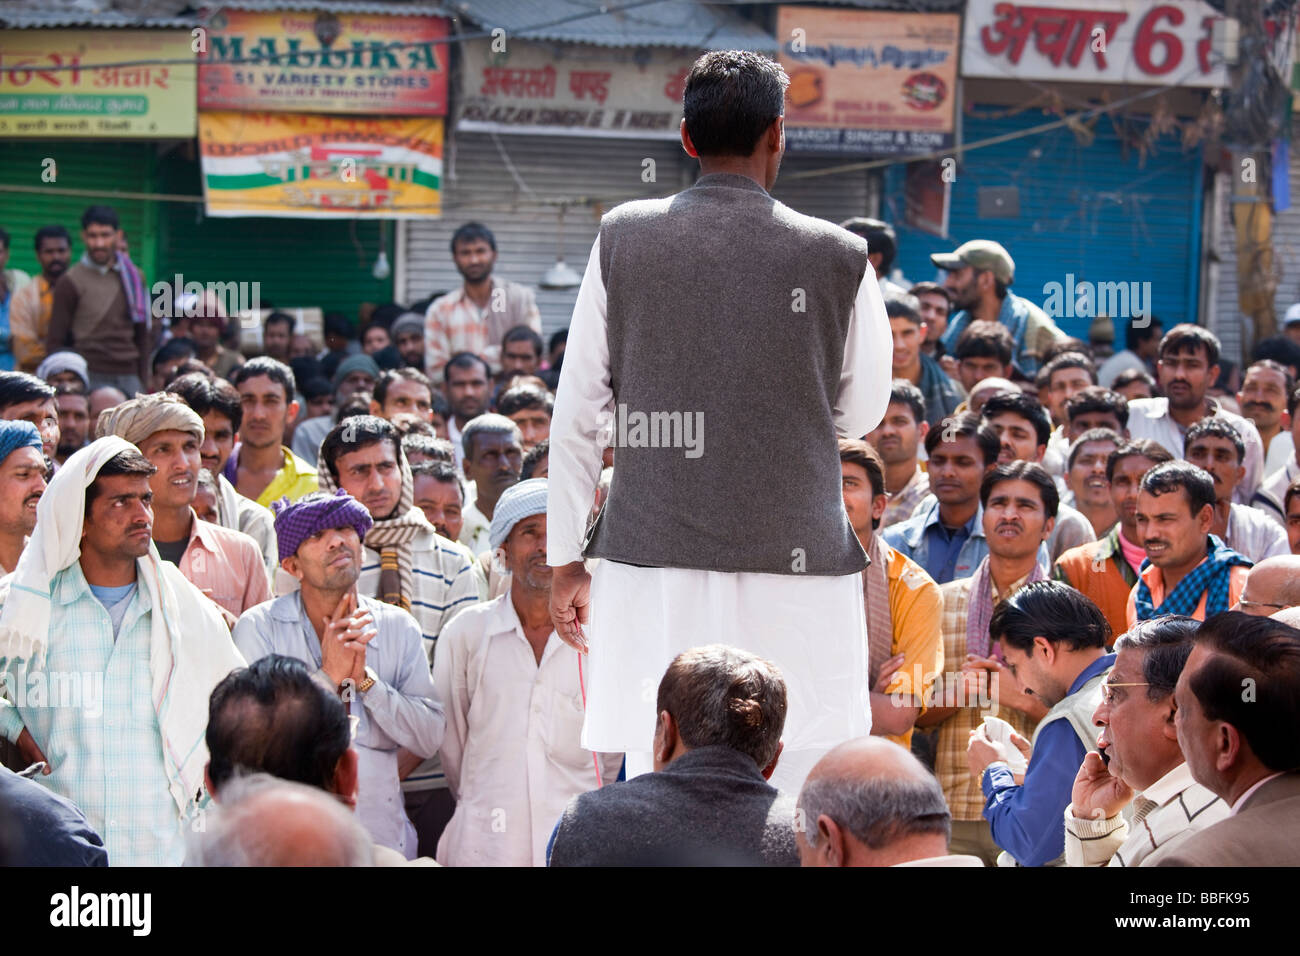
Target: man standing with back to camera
{"points": [[706, 541]]}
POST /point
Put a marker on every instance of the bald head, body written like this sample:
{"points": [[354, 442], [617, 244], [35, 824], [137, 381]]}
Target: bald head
{"points": [[1272, 584], [869, 802], [1289, 616], [263, 821]]}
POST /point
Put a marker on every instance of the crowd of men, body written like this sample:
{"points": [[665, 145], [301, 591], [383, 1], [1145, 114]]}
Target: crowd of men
{"points": [[294, 606]]}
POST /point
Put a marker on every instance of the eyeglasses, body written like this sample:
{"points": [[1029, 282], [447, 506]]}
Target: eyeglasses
{"points": [[1242, 603], [1108, 690]]}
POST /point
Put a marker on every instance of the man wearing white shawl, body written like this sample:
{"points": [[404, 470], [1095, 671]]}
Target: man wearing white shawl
{"points": [[107, 658]]}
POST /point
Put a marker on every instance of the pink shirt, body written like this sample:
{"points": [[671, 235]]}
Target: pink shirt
{"points": [[1134, 554], [227, 566]]}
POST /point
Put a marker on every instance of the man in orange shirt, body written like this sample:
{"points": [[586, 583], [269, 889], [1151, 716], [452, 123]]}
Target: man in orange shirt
{"points": [[1191, 571], [903, 604]]}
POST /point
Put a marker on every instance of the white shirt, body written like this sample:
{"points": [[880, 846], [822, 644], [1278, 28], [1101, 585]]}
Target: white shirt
{"points": [[1149, 418], [1280, 451], [767, 614], [1254, 534], [511, 751], [1241, 800], [1121, 361]]}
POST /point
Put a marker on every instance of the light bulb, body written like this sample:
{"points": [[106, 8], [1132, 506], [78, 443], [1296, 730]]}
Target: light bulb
{"points": [[381, 270]]}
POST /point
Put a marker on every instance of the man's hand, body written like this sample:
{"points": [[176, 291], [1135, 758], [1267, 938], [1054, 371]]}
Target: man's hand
{"points": [[980, 752], [887, 672], [31, 753], [1004, 689], [1097, 795], [1026, 750], [570, 603], [336, 658], [407, 762]]}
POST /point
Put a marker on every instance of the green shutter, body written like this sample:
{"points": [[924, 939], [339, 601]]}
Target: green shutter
{"points": [[99, 167]]}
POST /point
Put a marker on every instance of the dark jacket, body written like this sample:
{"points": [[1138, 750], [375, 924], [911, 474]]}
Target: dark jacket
{"points": [[38, 827], [709, 807]]}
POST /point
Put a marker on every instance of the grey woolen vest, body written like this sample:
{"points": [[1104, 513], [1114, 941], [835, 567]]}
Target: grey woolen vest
{"points": [[726, 315]]}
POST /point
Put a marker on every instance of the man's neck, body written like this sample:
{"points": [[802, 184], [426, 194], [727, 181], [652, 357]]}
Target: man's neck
{"points": [[987, 308], [205, 355], [865, 537], [533, 606], [1187, 417], [52, 279], [485, 505], [102, 572], [912, 372], [1130, 534], [1268, 434], [11, 549], [1007, 571], [1222, 510], [479, 292], [1101, 517], [1076, 662], [1172, 763], [1245, 780], [898, 475], [1172, 577], [319, 605], [751, 167], [268, 458], [957, 515], [172, 524]]}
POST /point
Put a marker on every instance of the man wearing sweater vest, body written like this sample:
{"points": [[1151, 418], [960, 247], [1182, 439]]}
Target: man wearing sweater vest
{"points": [[101, 309], [718, 284], [1053, 640]]}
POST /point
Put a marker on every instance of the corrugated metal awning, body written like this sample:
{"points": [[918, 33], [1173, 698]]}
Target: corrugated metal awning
{"points": [[36, 19], [341, 6], [673, 23]]}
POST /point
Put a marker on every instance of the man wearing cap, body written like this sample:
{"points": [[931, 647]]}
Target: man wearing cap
{"points": [[979, 274], [513, 753], [22, 481], [1291, 323], [64, 368], [369, 652], [356, 373], [92, 611], [408, 336], [224, 564]]}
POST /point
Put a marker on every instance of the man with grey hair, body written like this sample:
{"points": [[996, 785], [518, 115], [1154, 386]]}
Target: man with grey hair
{"points": [[713, 542], [869, 802], [494, 454], [721, 712], [265, 821]]}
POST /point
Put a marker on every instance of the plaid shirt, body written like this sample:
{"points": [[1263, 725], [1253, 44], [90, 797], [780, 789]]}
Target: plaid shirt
{"points": [[960, 789], [29, 321], [102, 740], [445, 585], [455, 324], [904, 501]]}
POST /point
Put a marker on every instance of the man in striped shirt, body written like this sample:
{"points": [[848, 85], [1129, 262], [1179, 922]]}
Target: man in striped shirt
{"points": [[404, 562]]}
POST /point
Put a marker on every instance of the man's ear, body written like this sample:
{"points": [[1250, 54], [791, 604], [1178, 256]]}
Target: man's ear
{"points": [[293, 411], [292, 565], [686, 142], [375, 408], [665, 737], [1228, 747], [1170, 730], [771, 767], [1047, 649], [346, 777], [207, 781], [830, 841]]}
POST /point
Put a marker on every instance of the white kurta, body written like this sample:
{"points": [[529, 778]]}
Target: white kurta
{"points": [[813, 627]]}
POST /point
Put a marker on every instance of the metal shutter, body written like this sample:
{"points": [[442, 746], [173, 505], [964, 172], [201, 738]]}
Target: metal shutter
{"points": [[1087, 210]]}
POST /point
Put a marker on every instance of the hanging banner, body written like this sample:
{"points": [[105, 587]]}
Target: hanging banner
{"points": [[310, 166], [589, 92], [299, 61], [867, 82], [56, 83], [1093, 41]]}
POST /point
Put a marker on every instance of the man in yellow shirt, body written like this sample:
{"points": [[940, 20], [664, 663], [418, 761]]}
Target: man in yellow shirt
{"points": [[260, 467], [903, 604]]}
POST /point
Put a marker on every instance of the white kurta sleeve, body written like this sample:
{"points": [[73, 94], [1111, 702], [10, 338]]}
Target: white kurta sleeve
{"points": [[863, 396], [582, 422]]}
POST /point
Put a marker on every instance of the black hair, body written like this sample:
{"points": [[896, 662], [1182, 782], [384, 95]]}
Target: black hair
{"points": [[1065, 360], [1131, 375], [521, 397], [4, 238], [100, 216], [1050, 609], [274, 717], [393, 375], [730, 99], [1167, 643], [440, 406], [443, 471], [473, 232], [1026, 406], [1219, 428], [355, 433], [880, 238], [965, 425], [903, 392], [316, 387], [209, 395], [1092, 434], [533, 457], [465, 360], [1195, 482], [129, 462], [985, 340], [50, 232], [1135, 335], [1280, 350], [171, 350], [904, 306], [1029, 471], [280, 318], [1137, 448], [522, 333], [1094, 399], [336, 323], [277, 372], [430, 446], [1288, 379], [19, 387], [1263, 655], [557, 338], [1186, 337]]}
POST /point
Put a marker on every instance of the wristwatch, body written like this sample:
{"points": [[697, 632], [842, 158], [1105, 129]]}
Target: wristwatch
{"points": [[369, 680]]}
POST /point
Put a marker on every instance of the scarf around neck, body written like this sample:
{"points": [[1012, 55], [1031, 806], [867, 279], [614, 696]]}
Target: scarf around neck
{"points": [[1212, 577], [980, 608]]}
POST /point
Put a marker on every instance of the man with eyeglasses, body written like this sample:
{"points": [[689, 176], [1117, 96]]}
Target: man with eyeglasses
{"points": [[1053, 640], [1139, 761], [1272, 585]]}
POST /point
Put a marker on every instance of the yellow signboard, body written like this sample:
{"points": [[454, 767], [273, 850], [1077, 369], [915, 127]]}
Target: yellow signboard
{"points": [[307, 165], [97, 84]]}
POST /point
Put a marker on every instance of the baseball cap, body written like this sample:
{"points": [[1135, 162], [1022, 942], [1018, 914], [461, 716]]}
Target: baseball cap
{"points": [[1292, 315], [981, 254]]}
